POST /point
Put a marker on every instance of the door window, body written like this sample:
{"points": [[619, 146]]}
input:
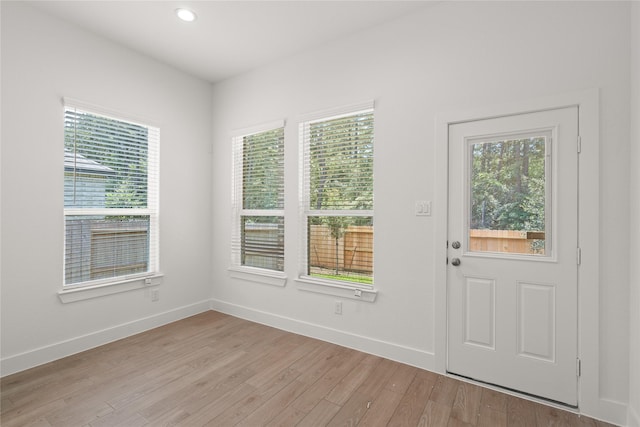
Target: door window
{"points": [[508, 186]]}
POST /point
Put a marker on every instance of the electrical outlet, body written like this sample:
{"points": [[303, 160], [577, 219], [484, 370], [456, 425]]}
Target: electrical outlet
{"points": [[155, 295], [338, 307]]}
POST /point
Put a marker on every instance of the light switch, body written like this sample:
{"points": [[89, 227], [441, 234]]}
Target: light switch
{"points": [[423, 207]]}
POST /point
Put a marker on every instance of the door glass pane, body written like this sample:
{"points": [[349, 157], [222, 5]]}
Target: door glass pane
{"points": [[508, 189]]}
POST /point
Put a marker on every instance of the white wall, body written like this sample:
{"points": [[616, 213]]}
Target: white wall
{"points": [[634, 254], [451, 56], [44, 59]]}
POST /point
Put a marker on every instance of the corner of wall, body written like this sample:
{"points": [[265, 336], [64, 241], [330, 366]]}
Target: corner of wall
{"points": [[49, 353], [633, 411]]}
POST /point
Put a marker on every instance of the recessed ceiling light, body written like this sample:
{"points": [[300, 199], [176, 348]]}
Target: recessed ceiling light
{"points": [[186, 15]]}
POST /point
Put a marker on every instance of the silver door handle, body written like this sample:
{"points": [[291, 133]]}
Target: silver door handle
{"points": [[455, 262]]}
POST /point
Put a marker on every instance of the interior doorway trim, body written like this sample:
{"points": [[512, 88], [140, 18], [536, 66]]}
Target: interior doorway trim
{"points": [[589, 401]]}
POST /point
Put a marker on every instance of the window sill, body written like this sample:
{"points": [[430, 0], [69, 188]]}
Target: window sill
{"points": [[310, 284], [103, 289], [258, 275]]}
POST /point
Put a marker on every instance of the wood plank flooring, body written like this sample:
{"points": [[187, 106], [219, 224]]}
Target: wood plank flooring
{"points": [[216, 370]]}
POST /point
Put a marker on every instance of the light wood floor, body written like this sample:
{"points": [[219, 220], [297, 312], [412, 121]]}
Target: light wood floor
{"points": [[217, 370]]}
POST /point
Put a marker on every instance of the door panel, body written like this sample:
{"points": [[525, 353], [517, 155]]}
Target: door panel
{"points": [[536, 321], [512, 272], [479, 312]]}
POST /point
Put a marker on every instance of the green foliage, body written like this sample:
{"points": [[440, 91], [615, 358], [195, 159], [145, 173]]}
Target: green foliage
{"points": [[263, 171], [508, 185], [337, 225], [119, 145], [367, 280], [341, 157]]}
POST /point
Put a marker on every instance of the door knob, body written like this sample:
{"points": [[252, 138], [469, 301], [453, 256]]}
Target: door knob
{"points": [[455, 245], [455, 262]]}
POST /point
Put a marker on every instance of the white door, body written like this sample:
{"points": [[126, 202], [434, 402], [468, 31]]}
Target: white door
{"points": [[512, 252]]}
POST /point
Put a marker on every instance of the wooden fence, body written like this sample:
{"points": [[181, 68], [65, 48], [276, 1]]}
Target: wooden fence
{"points": [[354, 249], [98, 248], [263, 246], [510, 241]]}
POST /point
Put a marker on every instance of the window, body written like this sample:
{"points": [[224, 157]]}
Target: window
{"points": [[337, 196], [258, 198], [110, 198]]}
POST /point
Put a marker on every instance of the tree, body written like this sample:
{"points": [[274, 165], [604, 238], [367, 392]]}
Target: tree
{"points": [[508, 185], [337, 227]]}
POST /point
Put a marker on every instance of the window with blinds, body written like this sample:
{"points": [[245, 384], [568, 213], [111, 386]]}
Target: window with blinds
{"points": [[258, 198], [110, 198], [337, 195]]}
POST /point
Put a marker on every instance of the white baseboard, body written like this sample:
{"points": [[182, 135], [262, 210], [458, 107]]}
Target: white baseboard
{"points": [[39, 356], [410, 356], [608, 410], [633, 417], [611, 411]]}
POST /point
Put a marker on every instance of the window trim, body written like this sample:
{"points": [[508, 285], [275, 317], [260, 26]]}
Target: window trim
{"points": [[99, 287], [73, 293], [236, 269], [336, 288], [258, 275], [304, 281]]}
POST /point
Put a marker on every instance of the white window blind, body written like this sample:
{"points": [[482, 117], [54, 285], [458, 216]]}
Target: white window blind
{"points": [[110, 197], [337, 195], [258, 198]]}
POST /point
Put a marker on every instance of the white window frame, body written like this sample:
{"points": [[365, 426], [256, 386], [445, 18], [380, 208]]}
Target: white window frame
{"points": [[152, 277], [236, 269], [305, 282]]}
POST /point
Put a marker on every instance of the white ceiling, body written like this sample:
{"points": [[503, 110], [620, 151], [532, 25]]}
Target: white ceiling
{"points": [[229, 37]]}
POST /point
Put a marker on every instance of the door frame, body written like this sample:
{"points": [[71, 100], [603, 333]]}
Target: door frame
{"points": [[588, 229]]}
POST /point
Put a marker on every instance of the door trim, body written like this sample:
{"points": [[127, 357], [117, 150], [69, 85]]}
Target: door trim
{"points": [[589, 400]]}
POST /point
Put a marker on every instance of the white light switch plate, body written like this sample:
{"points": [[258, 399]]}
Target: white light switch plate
{"points": [[423, 207]]}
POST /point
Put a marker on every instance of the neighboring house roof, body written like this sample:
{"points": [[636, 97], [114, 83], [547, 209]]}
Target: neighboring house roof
{"points": [[79, 163]]}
